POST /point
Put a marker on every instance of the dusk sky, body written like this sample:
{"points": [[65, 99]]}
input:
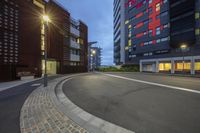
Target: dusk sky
{"points": [[98, 15]]}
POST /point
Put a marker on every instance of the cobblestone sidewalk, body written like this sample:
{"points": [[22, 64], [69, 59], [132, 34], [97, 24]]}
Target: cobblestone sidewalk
{"points": [[40, 115]]}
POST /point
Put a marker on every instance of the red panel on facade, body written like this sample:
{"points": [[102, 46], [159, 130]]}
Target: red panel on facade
{"points": [[139, 25], [155, 22], [139, 35], [139, 15]]}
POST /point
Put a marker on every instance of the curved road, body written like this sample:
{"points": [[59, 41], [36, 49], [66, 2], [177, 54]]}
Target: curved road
{"points": [[135, 102]]}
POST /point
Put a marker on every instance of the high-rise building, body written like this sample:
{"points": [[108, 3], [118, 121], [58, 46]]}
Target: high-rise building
{"points": [[119, 32], [163, 35], [22, 39]]}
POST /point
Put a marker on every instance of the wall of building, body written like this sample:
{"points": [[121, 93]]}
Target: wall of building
{"points": [[22, 49], [157, 29], [119, 32]]}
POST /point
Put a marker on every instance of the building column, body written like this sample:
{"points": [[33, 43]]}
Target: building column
{"points": [[157, 67], [140, 66], [172, 66], [192, 70]]}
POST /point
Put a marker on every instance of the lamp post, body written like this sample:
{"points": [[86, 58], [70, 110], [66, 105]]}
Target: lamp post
{"points": [[93, 53], [183, 48], [45, 20], [89, 54]]}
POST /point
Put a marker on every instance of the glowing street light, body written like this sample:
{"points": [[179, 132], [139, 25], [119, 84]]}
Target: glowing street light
{"points": [[45, 20], [93, 52], [183, 48]]}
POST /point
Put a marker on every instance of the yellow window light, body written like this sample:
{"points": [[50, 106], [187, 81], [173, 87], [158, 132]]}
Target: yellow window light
{"points": [[129, 26], [197, 15], [129, 43], [127, 21], [197, 66], [126, 48], [197, 32]]}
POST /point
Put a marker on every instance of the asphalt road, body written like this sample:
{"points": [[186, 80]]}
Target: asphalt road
{"points": [[140, 106], [11, 102]]}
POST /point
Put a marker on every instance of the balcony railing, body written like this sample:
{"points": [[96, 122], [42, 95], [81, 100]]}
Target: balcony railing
{"points": [[74, 57]]}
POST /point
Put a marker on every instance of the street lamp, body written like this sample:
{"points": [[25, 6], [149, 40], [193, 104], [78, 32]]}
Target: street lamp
{"points": [[183, 48], [90, 54], [45, 21], [93, 52]]}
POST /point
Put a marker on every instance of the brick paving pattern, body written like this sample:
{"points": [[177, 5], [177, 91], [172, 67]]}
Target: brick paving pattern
{"points": [[40, 115]]}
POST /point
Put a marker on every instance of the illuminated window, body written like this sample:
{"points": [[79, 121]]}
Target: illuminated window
{"points": [[127, 21], [150, 10], [164, 66], [197, 66], [179, 66], [150, 1], [197, 15], [158, 41], [158, 31], [158, 7], [129, 43], [197, 31]]}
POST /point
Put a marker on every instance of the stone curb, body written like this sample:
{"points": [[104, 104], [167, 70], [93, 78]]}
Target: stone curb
{"points": [[87, 121], [40, 114]]}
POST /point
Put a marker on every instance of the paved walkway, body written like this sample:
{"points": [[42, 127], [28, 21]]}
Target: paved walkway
{"points": [[7, 85], [40, 115]]}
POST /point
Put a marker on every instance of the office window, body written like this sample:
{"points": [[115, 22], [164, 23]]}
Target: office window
{"points": [[145, 22], [127, 21], [150, 32], [164, 39], [158, 17], [164, 14], [197, 32], [158, 31], [158, 41], [129, 42], [150, 1], [165, 1], [150, 20], [165, 26], [150, 42], [150, 10], [158, 7], [146, 43], [197, 15]]}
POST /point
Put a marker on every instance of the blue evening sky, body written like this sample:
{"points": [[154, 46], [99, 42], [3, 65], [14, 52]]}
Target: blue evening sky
{"points": [[98, 15]]}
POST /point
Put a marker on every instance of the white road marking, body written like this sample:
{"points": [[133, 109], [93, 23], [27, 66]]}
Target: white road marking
{"points": [[35, 85], [152, 83]]}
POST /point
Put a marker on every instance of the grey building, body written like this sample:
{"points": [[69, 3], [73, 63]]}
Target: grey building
{"points": [[163, 35], [119, 32], [95, 57]]}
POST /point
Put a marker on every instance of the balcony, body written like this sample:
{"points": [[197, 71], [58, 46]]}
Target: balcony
{"points": [[74, 57], [74, 44], [74, 31]]}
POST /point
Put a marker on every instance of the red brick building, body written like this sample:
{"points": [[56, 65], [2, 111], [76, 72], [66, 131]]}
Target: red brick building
{"points": [[21, 40]]}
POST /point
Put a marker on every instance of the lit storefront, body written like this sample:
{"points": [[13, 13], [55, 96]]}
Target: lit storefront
{"points": [[180, 66], [172, 65], [165, 67]]}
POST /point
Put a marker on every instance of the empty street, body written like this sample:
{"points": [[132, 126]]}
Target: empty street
{"points": [[143, 103]]}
